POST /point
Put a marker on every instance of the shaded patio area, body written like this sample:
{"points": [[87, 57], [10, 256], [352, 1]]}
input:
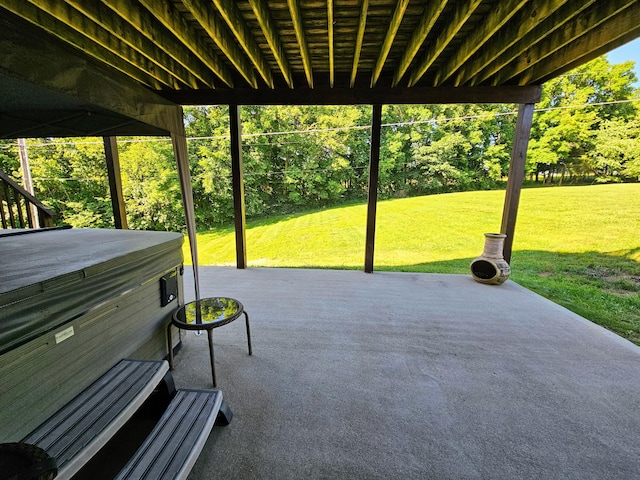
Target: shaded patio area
{"points": [[403, 375]]}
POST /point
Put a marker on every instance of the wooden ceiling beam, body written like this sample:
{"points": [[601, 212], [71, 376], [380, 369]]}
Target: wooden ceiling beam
{"points": [[614, 30], [431, 14], [267, 24], [296, 18], [231, 14], [103, 16], [394, 25], [51, 25], [362, 23], [325, 95], [166, 14], [462, 14], [496, 19], [330, 39], [572, 30], [146, 25], [219, 33], [75, 20], [522, 23]]}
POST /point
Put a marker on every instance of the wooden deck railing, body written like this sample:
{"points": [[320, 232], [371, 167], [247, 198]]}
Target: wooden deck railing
{"points": [[15, 206]]}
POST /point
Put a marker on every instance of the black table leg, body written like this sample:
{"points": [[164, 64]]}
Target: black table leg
{"points": [[169, 343], [246, 316], [213, 364]]}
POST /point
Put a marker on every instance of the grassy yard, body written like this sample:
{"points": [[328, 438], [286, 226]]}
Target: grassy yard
{"points": [[578, 246]]}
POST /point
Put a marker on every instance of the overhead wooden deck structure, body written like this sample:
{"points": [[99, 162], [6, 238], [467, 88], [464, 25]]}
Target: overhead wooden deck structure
{"points": [[124, 67]]}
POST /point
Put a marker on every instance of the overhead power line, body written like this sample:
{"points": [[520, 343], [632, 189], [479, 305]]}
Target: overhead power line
{"points": [[433, 121]]}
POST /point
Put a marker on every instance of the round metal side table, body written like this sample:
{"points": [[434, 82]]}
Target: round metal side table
{"points": [[207, 314]]}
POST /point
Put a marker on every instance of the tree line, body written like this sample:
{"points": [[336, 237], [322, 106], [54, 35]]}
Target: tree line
{"points": [[586, 128]]}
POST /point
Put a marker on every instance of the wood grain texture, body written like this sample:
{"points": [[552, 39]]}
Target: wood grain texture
{"points": [[516, 176], [172, 46]]}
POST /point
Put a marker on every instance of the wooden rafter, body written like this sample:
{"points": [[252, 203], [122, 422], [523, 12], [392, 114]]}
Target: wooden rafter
{"points": [[622, 25], [72, 37], [296, 18], [102, 16], [431, 13], [336, 51], [394, 25], [555, 21], [176, 24], [500, 15], [220, 35], [523, 22], [142, 21], [571, 31], [72, 18], [267, 24], [330, 35], [231, 14], [583, 57], [462, 14], [556, 24], [364, 7]]}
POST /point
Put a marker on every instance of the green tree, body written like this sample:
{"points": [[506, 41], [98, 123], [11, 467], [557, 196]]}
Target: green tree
{"points": [[616, 152], [294, 157], [69, 176], [9, 159], [456, 147], [150, 185], [210, 160], [565, 129]]}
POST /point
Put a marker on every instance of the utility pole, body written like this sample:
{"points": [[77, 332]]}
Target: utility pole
{"points": [[26, 178]]}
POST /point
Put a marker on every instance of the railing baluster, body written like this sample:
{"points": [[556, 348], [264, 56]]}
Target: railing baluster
{"points": [[7, 195], [18, 204], [13, 195], [2, 214]]}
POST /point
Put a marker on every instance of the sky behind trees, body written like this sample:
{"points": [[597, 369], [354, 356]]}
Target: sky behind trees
{"points": [[629, 51]]}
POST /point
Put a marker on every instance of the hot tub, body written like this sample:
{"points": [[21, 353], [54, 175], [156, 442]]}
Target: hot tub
{"points": [[72, 303]]}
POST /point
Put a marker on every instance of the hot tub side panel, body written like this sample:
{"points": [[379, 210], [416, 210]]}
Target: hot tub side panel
{"points": [[116, 319]]}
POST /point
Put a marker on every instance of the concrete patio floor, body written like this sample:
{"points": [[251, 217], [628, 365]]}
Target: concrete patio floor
{"points": [[411, 376]]}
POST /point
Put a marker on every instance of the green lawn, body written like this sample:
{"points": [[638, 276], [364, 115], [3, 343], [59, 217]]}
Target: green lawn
{"points": [[578, 246]]}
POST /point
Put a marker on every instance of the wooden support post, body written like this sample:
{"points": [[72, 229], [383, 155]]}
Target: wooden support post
{"points": [[516, 176], [181, 154], [115, 182], [237, 174], [372, 198]]}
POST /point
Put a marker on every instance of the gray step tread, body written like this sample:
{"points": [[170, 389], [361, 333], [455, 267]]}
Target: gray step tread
{"points": [[84, 425], [172, 448]]}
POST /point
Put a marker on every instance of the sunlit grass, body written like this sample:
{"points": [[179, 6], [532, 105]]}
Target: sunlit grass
{"points": [[414, 231], [579, 246]]}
